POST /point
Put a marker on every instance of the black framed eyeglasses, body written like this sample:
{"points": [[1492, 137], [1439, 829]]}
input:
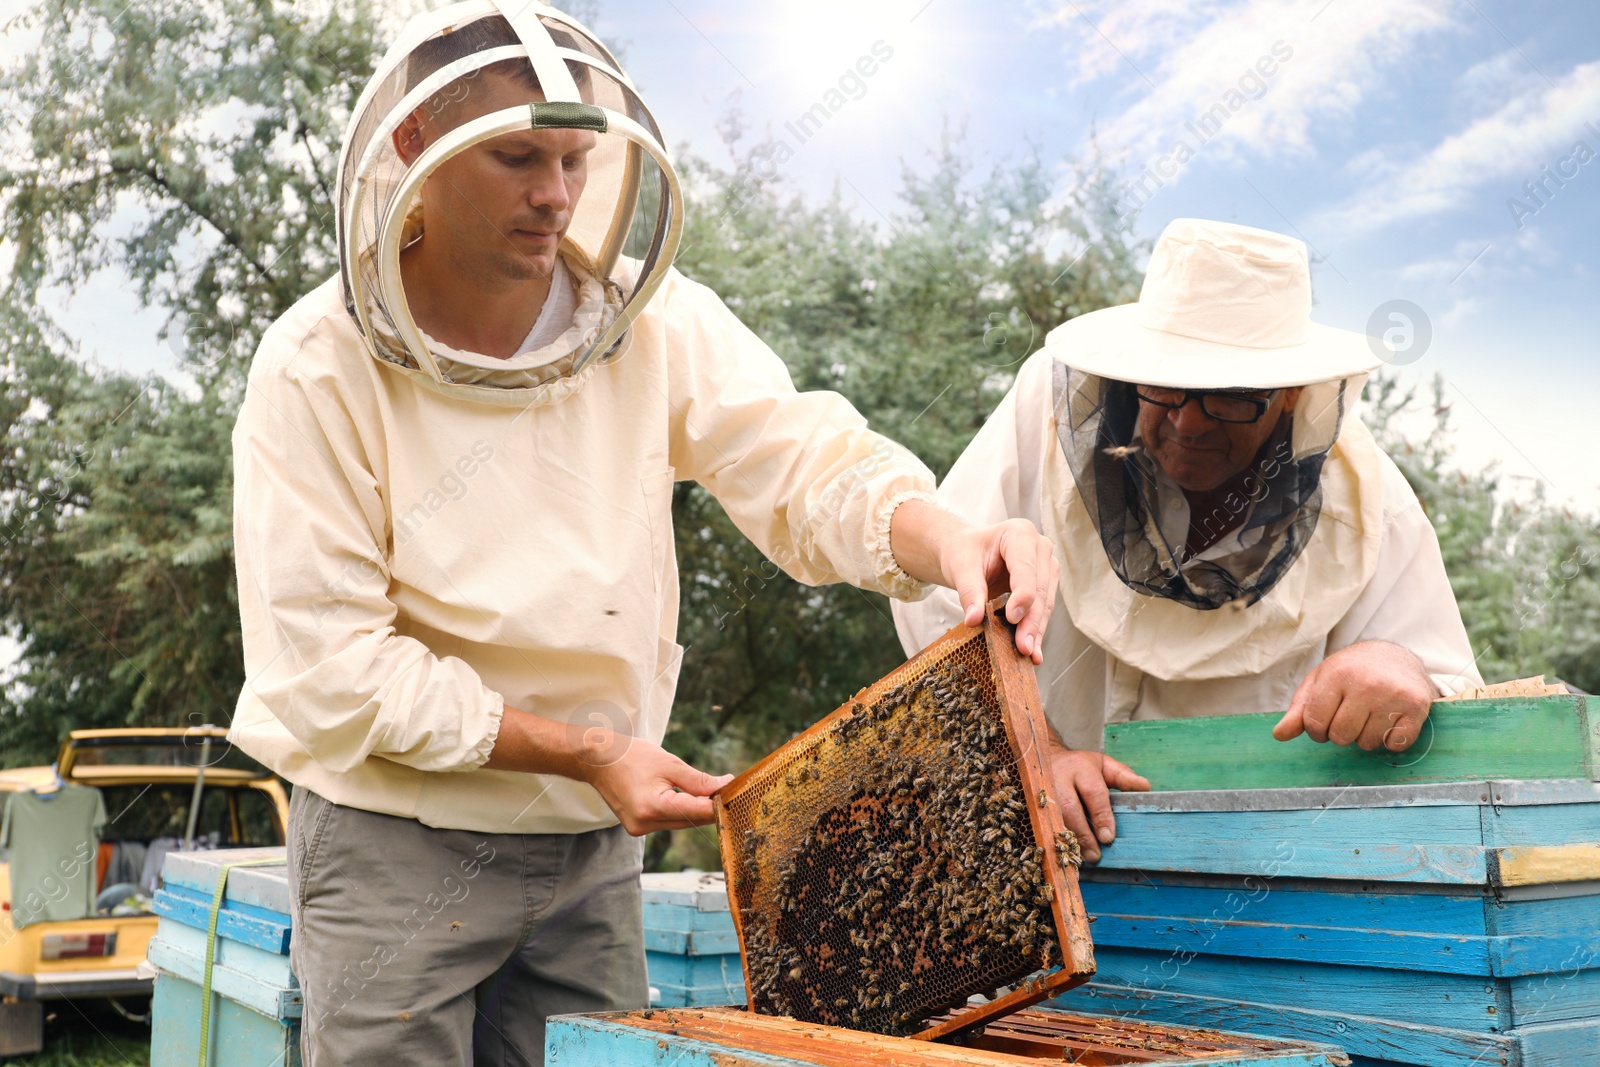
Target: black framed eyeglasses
{"points": [[1224, 405]]}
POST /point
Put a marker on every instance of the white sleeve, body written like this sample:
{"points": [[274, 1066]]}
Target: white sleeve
{"points": [[988, 484], [1409, 600], [800, 474], [320, 646]]}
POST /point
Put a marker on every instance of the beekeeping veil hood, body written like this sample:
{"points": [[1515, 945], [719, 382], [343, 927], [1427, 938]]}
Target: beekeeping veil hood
{"points": [[1223, 307], [623, 230]]}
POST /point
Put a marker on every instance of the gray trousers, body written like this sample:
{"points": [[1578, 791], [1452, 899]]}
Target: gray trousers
{"points": [[447, 947]]}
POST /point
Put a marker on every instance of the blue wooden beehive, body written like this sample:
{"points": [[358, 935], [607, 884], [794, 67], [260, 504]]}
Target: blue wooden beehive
{"points": [[255, 1000], [1436, 924], [691, 946]]}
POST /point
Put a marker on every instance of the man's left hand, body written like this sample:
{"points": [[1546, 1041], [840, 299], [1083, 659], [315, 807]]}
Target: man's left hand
{"points": [[980, 563], [1374, 694]]}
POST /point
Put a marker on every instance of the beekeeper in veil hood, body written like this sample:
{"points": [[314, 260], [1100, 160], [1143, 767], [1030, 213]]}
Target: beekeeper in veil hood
{"points": [[454, 471], [1231, 538]]}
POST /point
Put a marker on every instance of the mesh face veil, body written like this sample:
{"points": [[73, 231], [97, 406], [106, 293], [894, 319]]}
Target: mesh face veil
{"points": [[1123, 488], [457, 79]]}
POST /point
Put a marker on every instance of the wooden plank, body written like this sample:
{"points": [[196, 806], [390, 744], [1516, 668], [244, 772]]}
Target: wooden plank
{"points": [[1569, 1044], [263, 996], [580, 1041], [1502, 794], [1431, 844], [1466, 934], [698, 943], [724, 971], [1440, 953], [702, 890], [1561, 996], [239, 1037], [262, 929], [1271, 901], [1458, 1002], [790, 1041], [686, 918], [1380, 1039], [263, 887], [1540, 865], [1533, 737], [1544, 824]]}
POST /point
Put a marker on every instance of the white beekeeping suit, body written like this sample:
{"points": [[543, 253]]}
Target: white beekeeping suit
{"points": [[426, 535], [1331, 547]]}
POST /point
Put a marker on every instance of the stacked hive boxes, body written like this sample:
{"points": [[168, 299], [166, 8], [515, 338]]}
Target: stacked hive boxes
{"points": [[254, 1017], [1440, 906], [691, 947]]}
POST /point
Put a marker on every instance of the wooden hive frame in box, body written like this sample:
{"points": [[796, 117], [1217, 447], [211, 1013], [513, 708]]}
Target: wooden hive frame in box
{"points": [[906, 852]]}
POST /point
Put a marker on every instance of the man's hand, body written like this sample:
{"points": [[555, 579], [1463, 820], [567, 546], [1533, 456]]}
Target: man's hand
{"points": [[980, 563], [1081, 780], [1372, 694], [649, 788], [646, 786]]}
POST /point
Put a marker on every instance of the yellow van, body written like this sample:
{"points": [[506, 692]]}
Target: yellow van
{"points": [[163, 790]]}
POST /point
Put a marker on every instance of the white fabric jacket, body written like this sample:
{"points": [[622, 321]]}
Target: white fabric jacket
{"points": [[1228, 661], [413, 557]]}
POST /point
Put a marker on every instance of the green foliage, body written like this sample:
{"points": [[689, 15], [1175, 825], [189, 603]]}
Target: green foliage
{"points": [[189, 147], [921, 323], [1526, 575]]}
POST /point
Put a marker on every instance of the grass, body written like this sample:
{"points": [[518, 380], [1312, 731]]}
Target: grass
{"points": [[87, 1034]]}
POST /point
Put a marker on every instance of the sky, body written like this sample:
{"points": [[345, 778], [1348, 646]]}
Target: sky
{"points": [[1440, 158]]}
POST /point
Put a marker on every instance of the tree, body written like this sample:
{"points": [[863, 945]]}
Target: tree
{"points": [[1526, 575], [921, 323], [206, 133]]}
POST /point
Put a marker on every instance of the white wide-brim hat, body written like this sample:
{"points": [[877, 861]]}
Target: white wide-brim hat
{"points": [[1223, 306]]}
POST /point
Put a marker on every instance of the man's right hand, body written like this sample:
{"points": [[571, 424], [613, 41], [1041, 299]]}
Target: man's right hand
{"points": [[1083, 782], [648, 787]]}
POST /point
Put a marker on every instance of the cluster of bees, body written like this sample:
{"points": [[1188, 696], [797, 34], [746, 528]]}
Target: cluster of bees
{"points": [[920, 886]]}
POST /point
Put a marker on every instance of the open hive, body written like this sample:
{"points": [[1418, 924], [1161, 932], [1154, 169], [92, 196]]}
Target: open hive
{"points": [[906, 854]]}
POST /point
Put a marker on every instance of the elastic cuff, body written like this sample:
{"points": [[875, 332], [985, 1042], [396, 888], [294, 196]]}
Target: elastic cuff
{"points": [[891, 577], [482, 750]]}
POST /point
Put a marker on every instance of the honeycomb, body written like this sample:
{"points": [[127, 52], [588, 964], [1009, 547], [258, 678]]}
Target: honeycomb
{"points": [[884, 867]]}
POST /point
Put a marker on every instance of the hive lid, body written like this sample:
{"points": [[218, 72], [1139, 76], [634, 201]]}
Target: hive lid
{"points": [[262, 887], [701, 890], [906, 853]]}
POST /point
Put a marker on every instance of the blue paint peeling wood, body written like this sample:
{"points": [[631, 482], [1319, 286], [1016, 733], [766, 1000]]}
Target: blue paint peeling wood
{"points": [[240, 1037], [1428, 999], [699, 943], [258, 980], [724, 971], [267, 930], [578, 1041], [1446, 843], [1471, 933], [1359, 1035], [685, 917]]}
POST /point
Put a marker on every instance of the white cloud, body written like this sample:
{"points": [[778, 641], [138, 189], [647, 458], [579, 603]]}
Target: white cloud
{"points": [[1535, 128], [1179, 59]]}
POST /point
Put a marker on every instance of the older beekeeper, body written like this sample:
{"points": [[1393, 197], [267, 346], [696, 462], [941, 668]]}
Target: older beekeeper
{"points": [[1231, 538], [454, 469]]}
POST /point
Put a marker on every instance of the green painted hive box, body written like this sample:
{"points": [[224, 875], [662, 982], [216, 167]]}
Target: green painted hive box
{"points": [[1519, 738]]}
